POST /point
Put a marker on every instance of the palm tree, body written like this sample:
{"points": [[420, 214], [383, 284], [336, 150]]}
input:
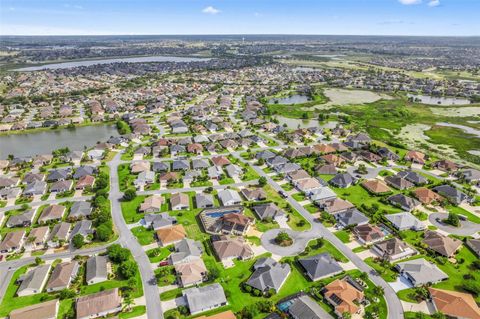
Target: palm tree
{"points": [[128, 302]]}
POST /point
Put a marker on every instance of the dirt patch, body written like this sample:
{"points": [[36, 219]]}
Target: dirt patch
{"points": [[456, 111], [347, 97]]}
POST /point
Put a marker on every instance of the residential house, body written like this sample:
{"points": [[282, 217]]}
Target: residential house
{"points": [[441, 244], [59, 234], [80, 210], [398, 182], [191, 273], [269, 211], [151, 204], [52, 212], [320, 266], [302, 306], [12, 241], [186, 250], [268, 274], [420, 272], [393, 249], [97, 269], [376, 187], [179, 201], [200, 299], [426, 196], [171, 235], [33, 281], [454, 304], [232, 248], [43, 310], [157, 221], [229, 197], [452, 194], [415, 157], [413, 177], [343, 296], [351, 217], [404, 202], [254, 194], [342, 180], [405, 221], [98, 304], [62, 276], [37, 237], [203, 200], [24, 219], [368, 234]]}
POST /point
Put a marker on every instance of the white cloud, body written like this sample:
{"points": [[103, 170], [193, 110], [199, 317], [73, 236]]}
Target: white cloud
{"points": [[257, 14], [434, 3], [410, 2], [211, 10]]}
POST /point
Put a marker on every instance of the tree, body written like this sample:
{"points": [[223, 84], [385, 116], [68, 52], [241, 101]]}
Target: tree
{"points": [[78, 241], [103, 232], [117, 253], [283, 239], [130, 194], [128, 269], [262, 181], [452, 219]]}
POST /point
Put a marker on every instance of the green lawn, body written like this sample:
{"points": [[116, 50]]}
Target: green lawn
{"points": [[343, 235], [144, 236], [134, 312], [124, 177], [130, 209], [387, 274], [460, 211], [158, 254], [357, 195], [311, 208]]}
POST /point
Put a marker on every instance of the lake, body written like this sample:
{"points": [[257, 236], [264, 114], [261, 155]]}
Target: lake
{"points": [[44, 142], [431, 100], [145, 59], [293, 99]]}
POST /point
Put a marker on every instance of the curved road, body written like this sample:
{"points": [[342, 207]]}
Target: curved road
{"points": [[395, 308]]}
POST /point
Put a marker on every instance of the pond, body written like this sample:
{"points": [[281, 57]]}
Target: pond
{"points": [[44, 142], [74, 64], [293, 124], [431, 100], [292, 99]]}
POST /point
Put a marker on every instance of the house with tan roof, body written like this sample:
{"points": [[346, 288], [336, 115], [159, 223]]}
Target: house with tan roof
{"points": [[426, 196], [454, 304], [324, 148], [169, 176], [151, 204], [222, 315], [37, 237], [336, 205], [343, 296], [99, 304], [415, 157], [220, 161], [86, 181], [191, 273], [171, 235], [139, 166], [44, 310], [368, 234], [179, 201], [232, 248], [443, 245], [52, 212], [62, 276], [376, 187], [12, 241], [393, 249]]}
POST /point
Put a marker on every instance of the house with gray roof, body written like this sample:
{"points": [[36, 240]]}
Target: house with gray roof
{"points": [[265, 155], [322, 194], [35, 188], [83, 171], [200, 299], [200, 163], [420, 272], [405, 221], [413, 177], [157, 221], [33, 281], [398, 182], [302, 306], [203, 200], [474, 244], [268, 274], [342, 180], [60, 233], [229, 197], [186, 250], [62, 276], [214, 172], [97, 269], [234, 170], [83, 227], [470, 175], [268, 211], [80, 210], [178, 165], [404, 202], [351, 216], [452, 194], [160, 167], [24, 219], [320, 266], [287, 168]]}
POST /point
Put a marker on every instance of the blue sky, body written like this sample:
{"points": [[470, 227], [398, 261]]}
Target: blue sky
{"points": [[362, 17]]}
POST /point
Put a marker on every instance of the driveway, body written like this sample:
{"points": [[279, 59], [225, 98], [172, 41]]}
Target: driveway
{"points": [[466, 228], [174, 303], [402, 283]]}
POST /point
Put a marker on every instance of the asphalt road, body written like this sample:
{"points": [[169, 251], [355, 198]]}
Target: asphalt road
{"points": [[395, 308], [126, 239]]}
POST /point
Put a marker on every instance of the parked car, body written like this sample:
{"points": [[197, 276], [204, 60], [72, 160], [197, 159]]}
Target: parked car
{"points": [[163, 263]]}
